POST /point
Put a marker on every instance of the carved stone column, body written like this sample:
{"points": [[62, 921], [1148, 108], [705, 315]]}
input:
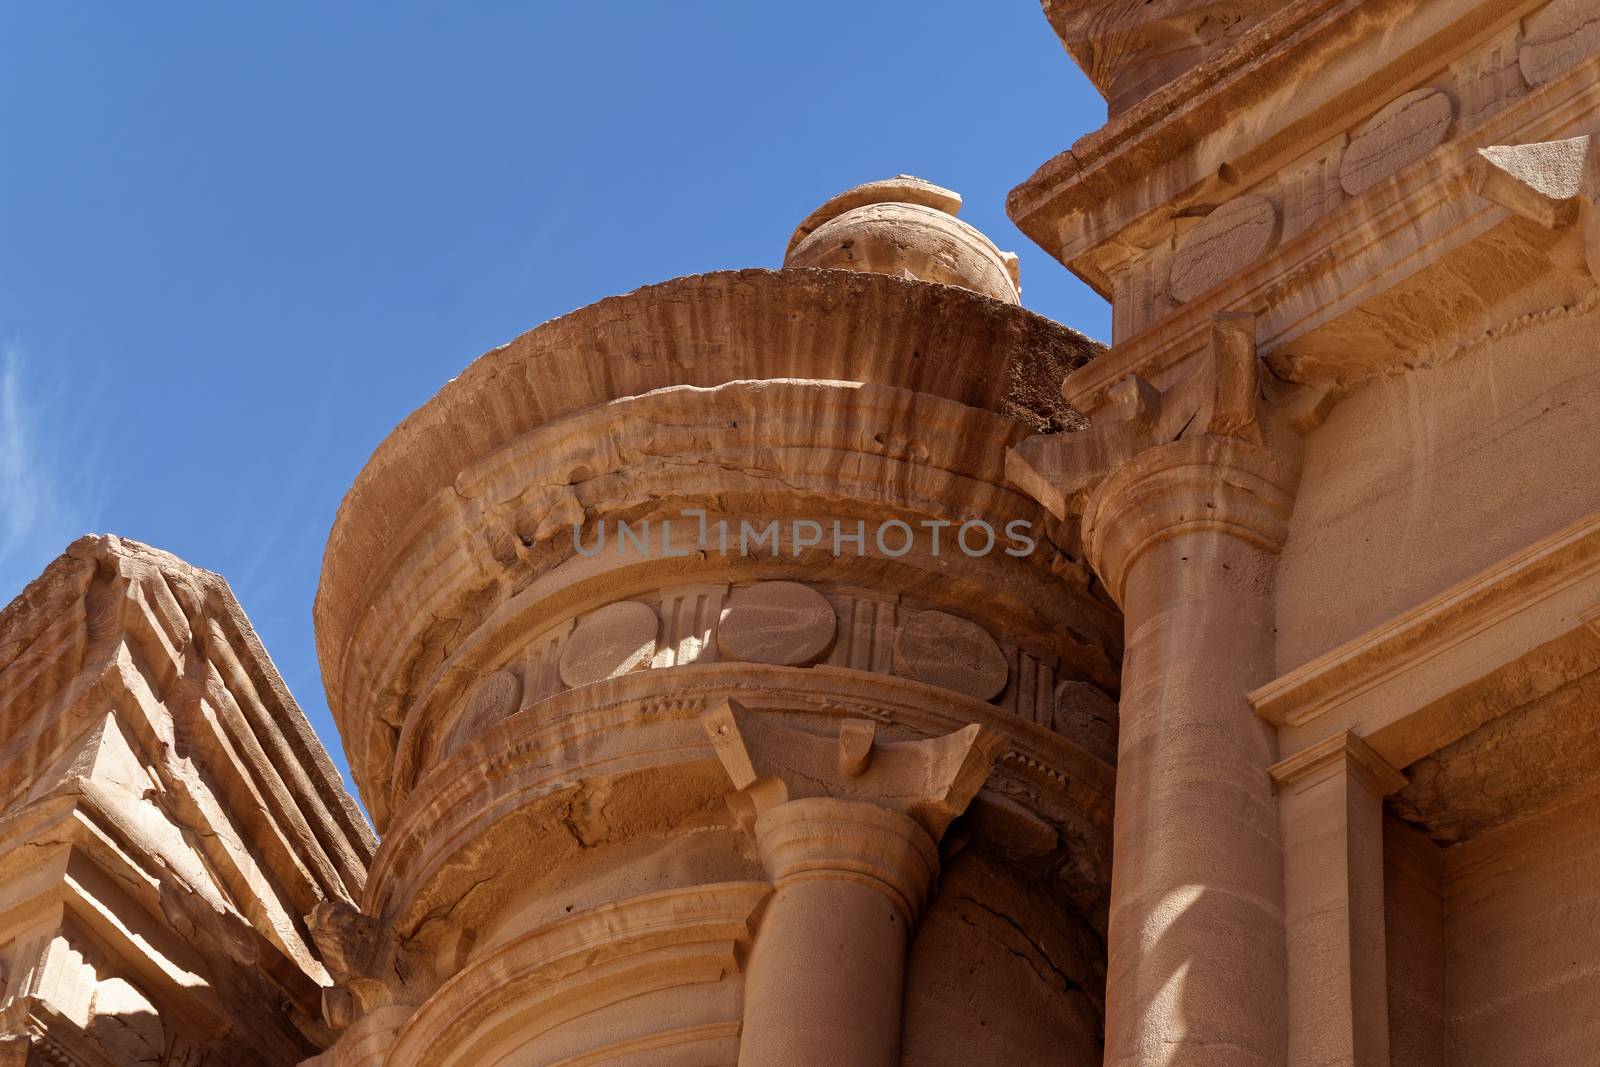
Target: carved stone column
{"points": [[848, 831], [1183, 514], [1332, 812], [1185, 536]]}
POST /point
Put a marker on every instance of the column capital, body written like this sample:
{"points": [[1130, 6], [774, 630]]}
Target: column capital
{"points": [[1217, 484], [1343, 752], [848, 808], [852, 841]]}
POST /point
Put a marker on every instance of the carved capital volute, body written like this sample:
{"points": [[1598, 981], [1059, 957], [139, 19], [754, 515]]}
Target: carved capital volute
{"points": [[1211, 485], [848, 808]]}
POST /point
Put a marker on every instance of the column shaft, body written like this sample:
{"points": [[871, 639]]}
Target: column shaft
{"points": [[1185, 536], [1196, 928], [1332, 812], [826, 977]]}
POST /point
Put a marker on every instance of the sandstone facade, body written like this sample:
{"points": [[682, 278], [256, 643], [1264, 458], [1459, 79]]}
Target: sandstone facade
{"points": [[169, 819], [843, 665]]}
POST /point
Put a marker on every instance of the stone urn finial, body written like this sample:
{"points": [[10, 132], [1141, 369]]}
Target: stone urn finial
{"points": [[905, 227]]}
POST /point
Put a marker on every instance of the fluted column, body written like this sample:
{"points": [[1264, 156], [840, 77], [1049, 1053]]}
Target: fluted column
{"points": [[1185, 536]]}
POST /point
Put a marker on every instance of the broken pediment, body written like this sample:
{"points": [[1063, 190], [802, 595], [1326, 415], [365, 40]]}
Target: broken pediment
{"points": [[168, 816]]}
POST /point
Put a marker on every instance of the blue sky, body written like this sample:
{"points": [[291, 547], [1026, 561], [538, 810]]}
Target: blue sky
{"points": [[239, 243]]}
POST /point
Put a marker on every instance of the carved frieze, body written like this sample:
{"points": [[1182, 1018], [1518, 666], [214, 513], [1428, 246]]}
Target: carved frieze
{"points": [[1557, 36], [783, 623], [612, 641], [1490, 78], [1225, 242], [1310, 186], [689, 620], [1141, 291], [1401, 133]]}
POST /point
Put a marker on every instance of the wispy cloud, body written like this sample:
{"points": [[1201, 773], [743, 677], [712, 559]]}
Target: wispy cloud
{"points": [[43, 503], [22, 493]]}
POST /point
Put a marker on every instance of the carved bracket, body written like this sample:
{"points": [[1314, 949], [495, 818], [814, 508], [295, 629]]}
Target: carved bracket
{"points": [[1555, 184], [373, 967], [931, 781], [1221, 398]]}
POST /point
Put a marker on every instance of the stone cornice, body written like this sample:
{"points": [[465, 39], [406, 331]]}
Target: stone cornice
{"points": [[116, 623], [702, 331], [820, 447], [1206, 483], [553, 976], [1418, 241], [1342, 753], [1087, 196], [1131, 50], [1428, 634]]}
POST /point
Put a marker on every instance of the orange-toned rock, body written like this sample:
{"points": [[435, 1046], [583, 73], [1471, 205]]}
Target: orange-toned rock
{"points": [[785, 623]]}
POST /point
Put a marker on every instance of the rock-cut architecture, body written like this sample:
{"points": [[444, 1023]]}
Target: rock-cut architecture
{"points": [[840, 665]]}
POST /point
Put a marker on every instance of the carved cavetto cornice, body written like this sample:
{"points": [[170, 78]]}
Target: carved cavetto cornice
{"points": [[689, 333], [1131, 48], [489, 565], [1231, 122], [1384, 255]]}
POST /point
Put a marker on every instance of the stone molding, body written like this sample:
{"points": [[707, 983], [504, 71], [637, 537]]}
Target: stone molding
{"points": [[1342, 753], [550, 979], [689, 626], [1306, 290], [476, 800], [798, 337], [1204, 484], [169, 818], [493, 554], [1432, 628], [1093, 196], [1507, 636]]}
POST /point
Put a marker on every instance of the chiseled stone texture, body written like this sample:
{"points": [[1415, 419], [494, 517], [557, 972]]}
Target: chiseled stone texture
{"points": [[1226, 241], [1422, 346], [169, 820], [630, 799], [1132, 48], [1557, 36], [1402, 132]]}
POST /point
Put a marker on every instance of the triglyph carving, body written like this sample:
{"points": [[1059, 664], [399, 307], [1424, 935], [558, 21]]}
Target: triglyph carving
{"points": [[1490, 78]]}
